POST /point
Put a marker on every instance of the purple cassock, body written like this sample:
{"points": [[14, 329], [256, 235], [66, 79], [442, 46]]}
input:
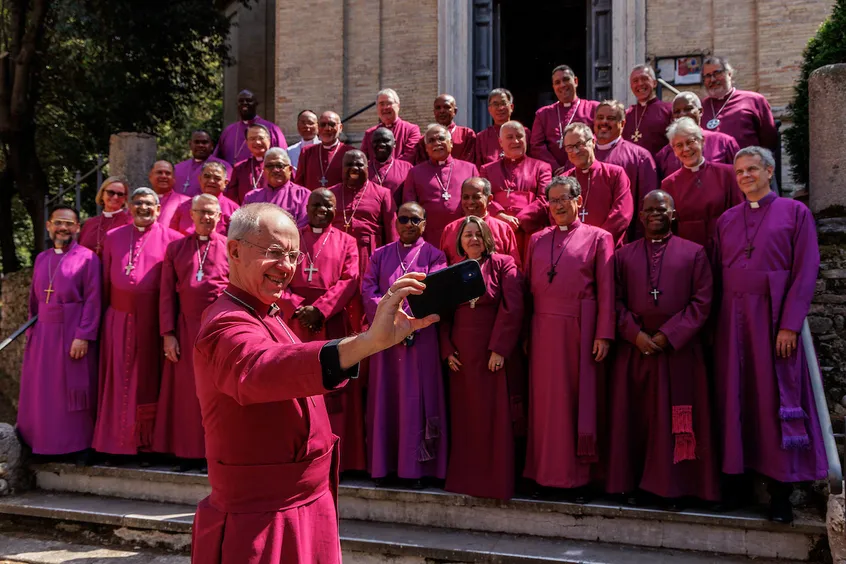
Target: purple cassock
{"points": [[405, 133], [744, 115], [488, 149], [765, 406], [547, 141], [291, 197], [437, 187], [390, 174], [481, 461], [186, 175], [232, 146], [183, 223], [716, 148], [660, 416], [640, 168], [327, 280], [406, 407], [169, 203], [131, 357], [321, 167], [650, 122], [576, 307], [58, 397], [248, 175], [184, 295], [93, 233], [463, 145], [503, 235], [702, 195]]}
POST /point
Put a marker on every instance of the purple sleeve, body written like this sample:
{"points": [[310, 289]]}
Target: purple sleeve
{"points": [[389, 219], [168, 298], [534, 217], [407, 153], [509, 316], [89, 323], [803, 274], [628, 326], [409, 193], [604, 272], [685, 325], [33, 299], [622, 208], [370, 292], [276, 132], [537, 147]]}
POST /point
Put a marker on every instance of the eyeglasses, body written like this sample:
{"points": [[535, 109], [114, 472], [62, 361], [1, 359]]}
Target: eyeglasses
{"points": [[276, 166], [206, 213], [559, 201], [62, 223], [278, 254], [404, 220], [113, 194], [577, 147], [715, 74], [212, 176]]}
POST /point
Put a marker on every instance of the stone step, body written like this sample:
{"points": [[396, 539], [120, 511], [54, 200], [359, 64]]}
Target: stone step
{"points": [[113, 521], [740, 533]]}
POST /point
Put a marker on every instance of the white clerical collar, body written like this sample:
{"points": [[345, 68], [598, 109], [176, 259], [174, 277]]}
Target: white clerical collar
{"points": [[441, 163], [754, 205], [199, 161], [141, 229], [697, 167], [259, 159], [110, 214], [335, 144], [452, 127], [317, 230], [58, 251], [408, 245], [608, 145], [203, 237], [564, 227], [567, 105]]}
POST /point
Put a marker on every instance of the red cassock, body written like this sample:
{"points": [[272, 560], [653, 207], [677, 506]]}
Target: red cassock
{"points": [[651, 122], [320, 167], [437, 187], [169, 203], [182, 300], [506, 242], [463, 145], [131, 357], [93, 233], [488, 149], [391, 174], [547, 141], [329, 288], [744, 115], [248, 175], [716, 148], [640, 168], [183, 222], [405, 133], [660, 416], [273, 460], [481, 461], [701, 197], [566, 384]]}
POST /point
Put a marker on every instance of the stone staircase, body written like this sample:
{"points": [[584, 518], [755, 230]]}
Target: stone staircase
{"points": [[130, 506]]}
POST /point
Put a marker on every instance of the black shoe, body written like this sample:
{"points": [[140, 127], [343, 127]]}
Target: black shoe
{"points": [[419, 484], [674, 505], [83, 458], [781, 510]]}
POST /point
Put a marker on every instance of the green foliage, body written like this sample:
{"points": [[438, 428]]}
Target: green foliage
{"points": [[827, 47]]}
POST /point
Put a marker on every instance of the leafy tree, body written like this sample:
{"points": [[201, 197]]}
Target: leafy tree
{"points": [[827, 47]]}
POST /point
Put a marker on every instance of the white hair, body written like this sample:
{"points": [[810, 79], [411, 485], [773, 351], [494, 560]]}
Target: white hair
{"points": [[720, 62], [247, 220], [646, 69], [390, 93], [144, 191], [205, 199], [690, 97], [765, 155], [684, 126], [214, 164], [278, 152], [581, 128], [513, 124], [434, 126]]}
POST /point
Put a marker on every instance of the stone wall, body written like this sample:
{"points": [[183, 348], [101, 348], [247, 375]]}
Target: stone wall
{"points": [[14, 296]]}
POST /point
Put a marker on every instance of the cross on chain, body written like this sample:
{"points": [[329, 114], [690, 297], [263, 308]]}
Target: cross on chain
{"points": [[446, 195], [655, 293], [323, 181], [129, 268], [583, 214], [636, 135], [749, 248], [49, 291], [311, 269]]}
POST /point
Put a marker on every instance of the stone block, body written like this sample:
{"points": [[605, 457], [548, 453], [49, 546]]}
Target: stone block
{"points": [[836, 523], [15, 311], [820, 325], [837, 274], [827, 89], [132, 155], [14, 476]]}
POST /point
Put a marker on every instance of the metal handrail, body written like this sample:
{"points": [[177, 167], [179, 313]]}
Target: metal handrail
{"points": [[835, 470], [76, 187], [358, 112], [18, 332], [668, 86]]}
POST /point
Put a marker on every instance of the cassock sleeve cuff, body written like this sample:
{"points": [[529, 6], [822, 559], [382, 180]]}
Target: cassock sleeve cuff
{"points": [[330, 362]]}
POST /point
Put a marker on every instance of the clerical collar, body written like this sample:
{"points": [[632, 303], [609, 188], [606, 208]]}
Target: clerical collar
{"points": [[567, 105], [203, 237], [247, 300], [259, 159], [564, 227], [317, 230], [58, 251], [663, 239], [452, 127], [769, 197], [110, 214], [335, 144], [408, 245], [141, 229], [608, 145], [199, 160], [697, 167], [442, 163]]}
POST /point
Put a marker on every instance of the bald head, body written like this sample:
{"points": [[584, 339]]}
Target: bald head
{"points": [[657, 214], [329, 128], [247, 104], [321, 208], [445, 110], [383, 143], [354, 169], [412, 207]]}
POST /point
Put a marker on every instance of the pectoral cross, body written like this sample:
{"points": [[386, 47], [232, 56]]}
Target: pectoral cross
{"points": [[323, 181], [655, 293], [636, 136], [186, 185], [551, 274], [311, 269], [200, 275], [446, 195], [749, 248], [508, 191], [583, 214], [129, 268], [49, 291], [561, 142]]}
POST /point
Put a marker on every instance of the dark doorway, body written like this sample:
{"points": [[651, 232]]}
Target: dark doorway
{"points": [[534, 38]]}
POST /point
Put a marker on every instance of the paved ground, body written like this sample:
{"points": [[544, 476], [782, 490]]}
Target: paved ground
{"points": [[21, 549]]}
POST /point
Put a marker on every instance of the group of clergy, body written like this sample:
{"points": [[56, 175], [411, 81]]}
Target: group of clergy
{"points": [[644, 292]]}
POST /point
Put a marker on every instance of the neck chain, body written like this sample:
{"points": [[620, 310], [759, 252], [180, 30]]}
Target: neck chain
{"points": [[714, 122], [348, 223], [410, 262], [637, 134], [510, 180], [569, 120], [252, 310], [254, 180], [332, 153], [311, 266], [750, 241], [51, 274], [102, 228], [553, 264], [202, 259], [655, 292], [130, 266], [584, 213], [379, 176], [445, 187]]}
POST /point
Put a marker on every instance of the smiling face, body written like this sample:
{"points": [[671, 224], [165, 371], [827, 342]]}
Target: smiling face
{"points": [[607, 125], [205, 216], [408, 214], [161, 177], [500, 109], [383, 144], [753, 176], [579, 149], [657, 214], [687, 148], [247, 105], [717, 80], [213, 180], [512, 140], [564, 210], [201, 145], [277, 170], [321, 208], [445, 109], [355, 169], [62, 227], [685, 108], [114, 196], [643, 86], [388, 109], [472, 241], [145, 211], [438, 144], [307, 126], [258, 141], [473, 198], [329, 128], [564, 84]]}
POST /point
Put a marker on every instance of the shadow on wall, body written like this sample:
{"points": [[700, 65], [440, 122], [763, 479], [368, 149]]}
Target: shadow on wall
{"points": [[14, 296]]}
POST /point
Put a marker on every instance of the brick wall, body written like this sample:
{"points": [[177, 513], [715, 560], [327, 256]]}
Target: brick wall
{"points": [[323, 70], [763, 39]]}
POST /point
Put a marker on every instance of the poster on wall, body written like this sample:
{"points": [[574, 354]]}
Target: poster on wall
{"points": [[680, 70]]}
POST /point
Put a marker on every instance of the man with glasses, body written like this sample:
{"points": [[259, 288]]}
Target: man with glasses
{"points": [[271, 453], [162, 181], [280, 190], [436, 183], [213, 183], [463, 138], [194, 273], [744, 115], [500, 107], [187, 174], [232, 145], [58, 396], [249, 175], [406, 408], [131, 360], [320, 164], [648, 118], [406, 134]]}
